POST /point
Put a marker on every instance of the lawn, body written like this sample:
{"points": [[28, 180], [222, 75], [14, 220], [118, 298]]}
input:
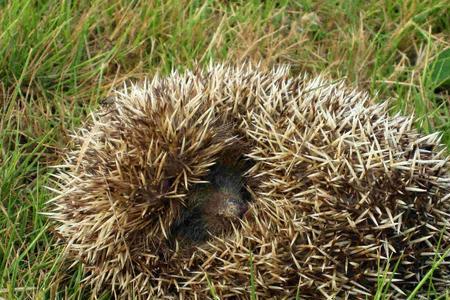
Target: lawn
{"points": [[59, 59]]}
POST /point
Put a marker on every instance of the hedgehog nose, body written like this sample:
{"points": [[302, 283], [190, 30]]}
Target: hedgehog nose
{"points": [[239, 206]]}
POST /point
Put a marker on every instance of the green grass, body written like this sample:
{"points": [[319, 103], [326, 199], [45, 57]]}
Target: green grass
{"points": [[59, 58]]}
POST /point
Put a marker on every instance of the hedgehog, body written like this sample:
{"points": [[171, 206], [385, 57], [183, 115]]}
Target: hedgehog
{"points": [[334, 192]]}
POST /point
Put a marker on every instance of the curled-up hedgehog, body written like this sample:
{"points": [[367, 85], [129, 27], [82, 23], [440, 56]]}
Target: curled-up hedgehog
{"points": [[191, 183]]}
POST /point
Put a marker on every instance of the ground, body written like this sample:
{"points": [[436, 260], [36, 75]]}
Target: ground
{"points": [[58, 59]]}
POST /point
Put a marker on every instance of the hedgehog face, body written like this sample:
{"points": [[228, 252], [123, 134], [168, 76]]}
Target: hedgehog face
{"points": [[212, 207], [220, 208]]}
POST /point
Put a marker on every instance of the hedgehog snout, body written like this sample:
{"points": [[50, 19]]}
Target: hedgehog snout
{"points": [[234, 208]]}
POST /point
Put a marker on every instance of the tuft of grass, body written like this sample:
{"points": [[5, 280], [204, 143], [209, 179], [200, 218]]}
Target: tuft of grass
{"points": [[427, 278], [212, 288], [384, 280], [58, 59]]}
